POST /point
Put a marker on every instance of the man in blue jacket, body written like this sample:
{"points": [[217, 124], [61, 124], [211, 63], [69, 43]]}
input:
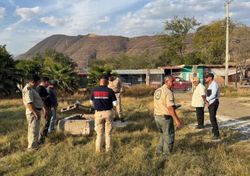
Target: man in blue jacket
{"points": [[212, 101], [103, 99]]}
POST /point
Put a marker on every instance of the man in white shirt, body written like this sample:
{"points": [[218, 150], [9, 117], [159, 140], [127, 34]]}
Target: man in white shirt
{"points": [[212, 101], [198, 101]]}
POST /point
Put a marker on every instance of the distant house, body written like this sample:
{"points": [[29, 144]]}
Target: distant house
{"points": [[152, 77], [187, 72]]}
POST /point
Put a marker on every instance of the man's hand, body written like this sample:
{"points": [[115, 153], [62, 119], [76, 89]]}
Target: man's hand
{"points": [[179, 123], [176, 119], [207, 103], [45, 112], [36, 115], [31, 107]]}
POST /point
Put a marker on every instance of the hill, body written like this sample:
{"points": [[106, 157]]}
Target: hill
{"points": [[86, 48], [82, 48]]}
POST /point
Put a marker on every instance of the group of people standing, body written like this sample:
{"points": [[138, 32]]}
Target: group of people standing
{"points": [[40, 100], [104, 99], [165, 114], [209, 98]]}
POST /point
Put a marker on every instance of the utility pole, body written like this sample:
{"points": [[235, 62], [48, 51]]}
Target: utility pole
{"points": [[227, 42]]}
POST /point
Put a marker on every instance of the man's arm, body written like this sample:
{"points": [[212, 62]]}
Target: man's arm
{"points": [[177, 121], [29, 97], [31, 107], [214, 90], [113, 97], [204, 98], [114, 103], [202, 92], [45, 111], [91, 100], [120, 85]]}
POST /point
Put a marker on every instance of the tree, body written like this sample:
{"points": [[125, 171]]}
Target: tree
{"points": [[27, 67], [209, 42], [175, 40], [65, 75], [193, 58], [53, 65], [240, 49], [54, 56], [95, 74], [61, 68], [8, 75]]}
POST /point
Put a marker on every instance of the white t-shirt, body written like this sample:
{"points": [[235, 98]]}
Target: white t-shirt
{"points": [[197, 100]]}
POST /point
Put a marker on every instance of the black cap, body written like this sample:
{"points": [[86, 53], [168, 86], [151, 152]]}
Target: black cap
{"points": [[211, 75]]}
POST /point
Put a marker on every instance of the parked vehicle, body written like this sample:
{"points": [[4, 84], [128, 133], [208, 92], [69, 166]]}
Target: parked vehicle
{"points": [[182, 85]]}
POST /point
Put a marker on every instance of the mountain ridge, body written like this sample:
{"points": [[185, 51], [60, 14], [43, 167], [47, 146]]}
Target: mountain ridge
{"points": [[82, 48]]}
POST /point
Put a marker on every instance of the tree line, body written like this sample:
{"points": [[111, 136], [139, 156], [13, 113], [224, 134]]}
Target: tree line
{"points": [[56, 66]]}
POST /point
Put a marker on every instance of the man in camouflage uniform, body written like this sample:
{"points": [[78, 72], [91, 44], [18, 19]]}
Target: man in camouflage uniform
{"points": [[116, 85], [33, 104], [165, 116]]}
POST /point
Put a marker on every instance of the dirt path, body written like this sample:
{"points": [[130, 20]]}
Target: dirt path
{"points": [[233, 113]]}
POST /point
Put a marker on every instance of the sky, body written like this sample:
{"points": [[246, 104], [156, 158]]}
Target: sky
{"points": [[24, 23]]}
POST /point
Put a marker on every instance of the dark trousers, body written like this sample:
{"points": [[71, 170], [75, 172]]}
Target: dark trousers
{"points": [[200, 116], [165, 126], [212, 114], [44, 124]]}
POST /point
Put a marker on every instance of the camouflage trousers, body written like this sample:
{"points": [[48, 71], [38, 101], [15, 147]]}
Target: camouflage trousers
{"points": [[33, 130], [103, 128]]}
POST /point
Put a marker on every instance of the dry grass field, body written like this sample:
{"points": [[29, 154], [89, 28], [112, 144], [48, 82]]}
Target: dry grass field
{"points": [[134, 146]]}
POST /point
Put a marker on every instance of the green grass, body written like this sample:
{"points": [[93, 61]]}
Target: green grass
{"points": [[134, 146]]}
